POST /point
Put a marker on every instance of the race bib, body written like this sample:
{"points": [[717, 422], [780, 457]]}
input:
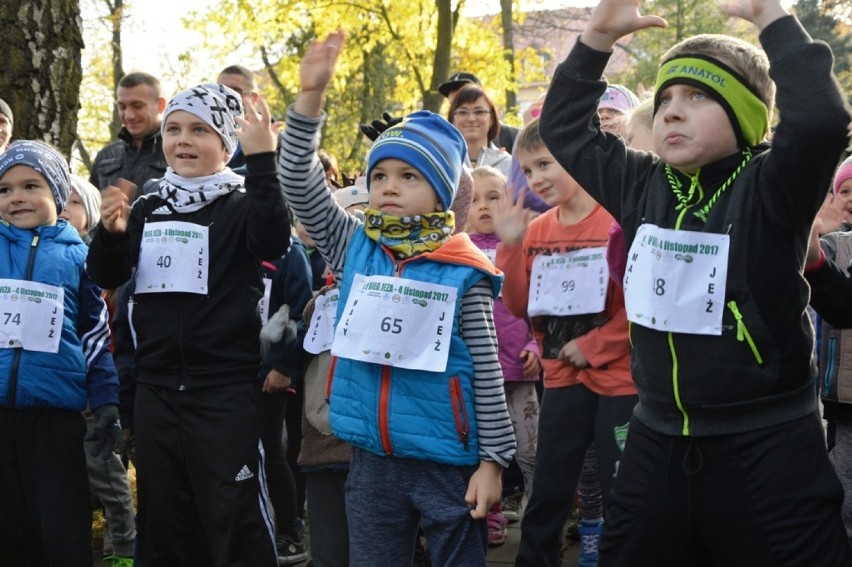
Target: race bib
{"points": [[320, 333], [174, 257], [676, 280], [397, 322], [31, 315], [263, 304], [574, 283]]}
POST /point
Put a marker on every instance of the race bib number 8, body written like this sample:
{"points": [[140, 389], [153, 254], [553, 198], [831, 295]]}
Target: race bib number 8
{"points": [[397, 322], [31, 315], [676, 280]]}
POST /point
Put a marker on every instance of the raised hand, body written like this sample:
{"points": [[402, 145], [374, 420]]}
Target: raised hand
{"points": [[832, 215], [759, 12], [256, 133], [511, 220], [613, 19], [315, 72]]}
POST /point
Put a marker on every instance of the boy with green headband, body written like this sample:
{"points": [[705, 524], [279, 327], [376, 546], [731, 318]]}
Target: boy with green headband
{"points": [[725, 462]]}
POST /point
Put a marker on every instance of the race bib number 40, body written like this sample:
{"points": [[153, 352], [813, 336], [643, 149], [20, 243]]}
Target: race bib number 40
{"points": [[31, 315], [174, 257], [676, 280], [397, 322]]}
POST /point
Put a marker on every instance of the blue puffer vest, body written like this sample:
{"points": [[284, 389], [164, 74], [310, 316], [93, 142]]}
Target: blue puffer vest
{"points": [[51, 255], [411, 413]]}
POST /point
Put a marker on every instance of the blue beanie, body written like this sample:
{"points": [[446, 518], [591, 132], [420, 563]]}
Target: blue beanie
{"points": [[46, 160], [430, 144]]}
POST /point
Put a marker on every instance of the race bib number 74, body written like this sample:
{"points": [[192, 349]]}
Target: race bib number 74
{"points": [[31, 315]]}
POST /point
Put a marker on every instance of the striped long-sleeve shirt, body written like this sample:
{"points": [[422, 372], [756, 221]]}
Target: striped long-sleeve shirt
{"points": [[302, 179]]}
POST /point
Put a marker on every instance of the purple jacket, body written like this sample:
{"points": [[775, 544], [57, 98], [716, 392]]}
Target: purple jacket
{"points": [[513, 334]]}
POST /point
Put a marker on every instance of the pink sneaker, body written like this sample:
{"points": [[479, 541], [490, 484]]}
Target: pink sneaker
{"points": [[496, 527]]}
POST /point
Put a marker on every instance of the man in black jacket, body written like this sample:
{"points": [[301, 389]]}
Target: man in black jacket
{"points": [[137, 155]]}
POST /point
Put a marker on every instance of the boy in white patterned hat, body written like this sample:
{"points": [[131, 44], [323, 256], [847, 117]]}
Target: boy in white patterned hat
{"points": [[196, 245]]}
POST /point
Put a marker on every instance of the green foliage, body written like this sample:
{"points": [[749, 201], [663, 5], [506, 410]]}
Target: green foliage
{"points": [[824, 21], [387, 63]]}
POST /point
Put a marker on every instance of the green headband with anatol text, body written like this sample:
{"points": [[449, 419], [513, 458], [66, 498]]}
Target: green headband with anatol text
{"points": [[723, 84]]}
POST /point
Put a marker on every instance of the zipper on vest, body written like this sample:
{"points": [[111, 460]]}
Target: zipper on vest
{"points": [[330, 378], [384, 413], [742, 332], [459, 412], [16, 361]]}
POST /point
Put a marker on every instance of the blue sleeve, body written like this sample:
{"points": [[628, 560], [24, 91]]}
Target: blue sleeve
{"points": [[291, 285], [93, 330]]}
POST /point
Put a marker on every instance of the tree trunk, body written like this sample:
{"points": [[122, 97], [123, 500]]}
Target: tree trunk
{"points": [[116, 15], [509, 51], [40, 68], [433, 100]]}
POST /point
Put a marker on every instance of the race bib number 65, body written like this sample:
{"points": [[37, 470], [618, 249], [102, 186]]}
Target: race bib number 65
{"points": [[397, 322]]}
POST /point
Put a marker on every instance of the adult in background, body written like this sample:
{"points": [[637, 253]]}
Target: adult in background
{"points": [[137, 155], [241, 80], [6, 120], [474, 114], [449, 88]]}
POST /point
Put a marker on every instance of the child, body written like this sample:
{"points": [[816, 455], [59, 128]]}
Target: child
{"points": [[717, 229], [835, 373], [430, 437], [518, 350], [108, 480], [55, 360], [639, 136], [556, 272], [288, 283], [196, 246], [83, 209], [614, 108]]}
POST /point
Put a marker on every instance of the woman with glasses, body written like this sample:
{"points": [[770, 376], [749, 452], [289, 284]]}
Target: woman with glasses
{"points": [[473, 112]]}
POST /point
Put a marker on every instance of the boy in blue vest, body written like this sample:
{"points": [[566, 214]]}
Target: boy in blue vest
{"points": [[725, 462], [416, 384], [53, 361]]}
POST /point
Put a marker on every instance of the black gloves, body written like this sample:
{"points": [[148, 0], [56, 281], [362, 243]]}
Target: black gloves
{"points": [[375, 128], [106, 432]]}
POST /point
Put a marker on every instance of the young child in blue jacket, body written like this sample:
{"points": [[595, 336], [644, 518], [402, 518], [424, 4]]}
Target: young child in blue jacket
{"points": [[54, 359], [416, 384]]}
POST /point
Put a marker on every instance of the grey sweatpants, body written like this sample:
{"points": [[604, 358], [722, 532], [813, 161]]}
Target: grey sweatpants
{"points": [[108, 483]]}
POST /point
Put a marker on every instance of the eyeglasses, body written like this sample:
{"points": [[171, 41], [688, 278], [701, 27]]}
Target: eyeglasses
{"points": [[477, 112]]}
